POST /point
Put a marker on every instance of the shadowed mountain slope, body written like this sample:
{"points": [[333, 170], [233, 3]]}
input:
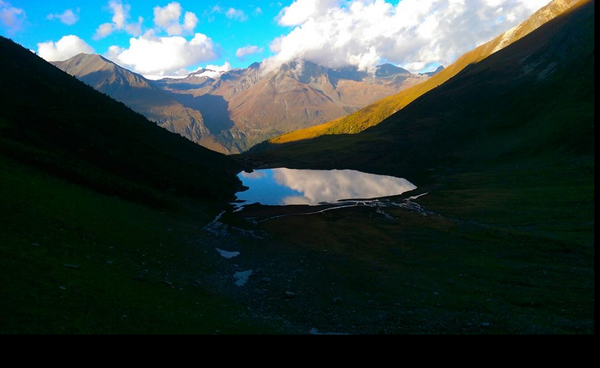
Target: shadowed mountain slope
{"points": [[380, 110], [140, 95], [77, 133]]}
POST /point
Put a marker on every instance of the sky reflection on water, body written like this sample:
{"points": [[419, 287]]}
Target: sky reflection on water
{"points": [[280, 187]]}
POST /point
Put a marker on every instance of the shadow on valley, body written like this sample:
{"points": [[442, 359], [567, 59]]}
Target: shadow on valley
{"points": [[214, 109], [179, 86]]}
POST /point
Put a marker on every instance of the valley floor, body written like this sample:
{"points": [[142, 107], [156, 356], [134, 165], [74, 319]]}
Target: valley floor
{"points": [[510, 254]]}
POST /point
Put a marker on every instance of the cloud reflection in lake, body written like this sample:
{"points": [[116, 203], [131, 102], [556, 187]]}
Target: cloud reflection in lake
{"points": [[312, 187]]}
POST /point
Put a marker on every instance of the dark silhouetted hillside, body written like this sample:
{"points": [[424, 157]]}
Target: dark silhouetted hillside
{"points": [[56, 123]]}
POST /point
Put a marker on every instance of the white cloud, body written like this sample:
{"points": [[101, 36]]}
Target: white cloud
{"points": [[258, 11], [190, 20], [236, 14], [11, 17], [119, 21], [63, 49], [68, 17], [302, 10], [220, 68], [413, 33], [120, 13], [104, 30], [134, 29], [247, 50], [163, 56], [167, 18]]}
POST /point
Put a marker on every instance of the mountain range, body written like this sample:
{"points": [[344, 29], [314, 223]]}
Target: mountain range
{"points": [[230, 112]]}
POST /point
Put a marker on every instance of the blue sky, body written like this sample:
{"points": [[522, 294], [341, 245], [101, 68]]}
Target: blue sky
{"points": [[170, 38], [253, 28]]}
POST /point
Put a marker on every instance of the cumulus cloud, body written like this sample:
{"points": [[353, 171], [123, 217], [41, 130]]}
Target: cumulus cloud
{"points": [[220, 68], [68, 17], [190, 20], [11, 17], [155, 56], [103, 31], [236, 14], [413, 33], [63, 49], [119, 21], [135, 29], [167, 18], [302, 10], [242, 52]]}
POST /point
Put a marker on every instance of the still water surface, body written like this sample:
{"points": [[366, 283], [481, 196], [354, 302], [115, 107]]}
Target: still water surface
{"points": [[282, 187]]}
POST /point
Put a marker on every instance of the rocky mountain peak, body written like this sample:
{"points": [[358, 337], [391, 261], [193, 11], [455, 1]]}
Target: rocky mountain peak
{"points": [[389, 70]]}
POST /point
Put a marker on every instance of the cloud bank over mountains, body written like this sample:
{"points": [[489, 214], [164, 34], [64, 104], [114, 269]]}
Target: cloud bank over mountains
{"points": [[163, 56], [63, 49], [414, 34]]}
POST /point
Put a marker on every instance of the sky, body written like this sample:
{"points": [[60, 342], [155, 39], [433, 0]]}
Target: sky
{"points": [[159, 38]]}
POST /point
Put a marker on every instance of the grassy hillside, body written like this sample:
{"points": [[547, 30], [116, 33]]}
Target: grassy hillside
{"points": [[380, 110], [101, 214], [75, 261], [54, 122]]}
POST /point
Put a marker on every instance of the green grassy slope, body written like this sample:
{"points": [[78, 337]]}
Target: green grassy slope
{"points": [[78, 262], [55, 122], [101, 214]]}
